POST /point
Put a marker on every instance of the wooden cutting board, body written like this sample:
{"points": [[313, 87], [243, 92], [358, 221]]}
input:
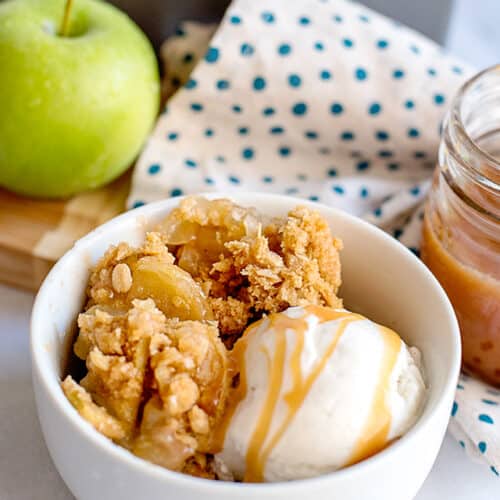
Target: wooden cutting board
{"points": [[35, 233]]}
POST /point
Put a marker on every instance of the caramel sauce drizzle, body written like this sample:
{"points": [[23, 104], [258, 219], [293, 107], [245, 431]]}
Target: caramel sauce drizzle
{"points": [[376, 429]]}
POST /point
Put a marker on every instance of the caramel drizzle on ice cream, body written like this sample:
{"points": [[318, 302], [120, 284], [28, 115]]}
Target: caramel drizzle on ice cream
{"points": [[300, 387], [261, 445], [374, 435]]}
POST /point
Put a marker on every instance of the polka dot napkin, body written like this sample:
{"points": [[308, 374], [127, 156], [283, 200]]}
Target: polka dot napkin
{"points": [[324, 100]]}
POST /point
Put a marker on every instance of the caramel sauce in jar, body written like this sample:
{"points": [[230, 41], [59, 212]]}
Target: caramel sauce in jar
{"points": [[461, 231]]}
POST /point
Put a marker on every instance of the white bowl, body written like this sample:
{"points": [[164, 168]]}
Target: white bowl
{"points": [[382, 280]]}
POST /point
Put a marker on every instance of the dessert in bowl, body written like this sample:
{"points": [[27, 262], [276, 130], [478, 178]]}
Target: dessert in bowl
{"points": [[232, 357]]}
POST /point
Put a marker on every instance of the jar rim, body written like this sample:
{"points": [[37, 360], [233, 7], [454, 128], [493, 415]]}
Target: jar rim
{"points": [[465, 138]]}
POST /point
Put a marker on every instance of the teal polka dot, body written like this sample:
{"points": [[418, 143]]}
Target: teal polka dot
{"points": [[398, 74], [220, 159], [190, 163], [454, 409], [233, 179], [154, 169], [212, 55], [190, 84], [302, 177], [361, 74], [347, 42], [490, 402], [492, 468], [362, 165], [209, 132], [409, 104], [176, 192], [338, 189], [243, 130], [247, 153], [291, 190], [460, 387], [222, 84], [304, 21], [325, 74], [393, 166], [237, 108], [268, 17], [375, 108], [179, 31], [268, 111], [364, 19], [397, 232], [457, 70], [319, 46], [311, 134], [246, 49], [431, 72], [385, 153], [172, 136], [268, 179], [294, 80], [482, 446], [377, 212], [284, 49], [235, 20], [196, 106], [413, 133], [313, 197], [137, 204], [462, 444], [414, 49], [485, 418], [347, 135], [332, 172], [337, 19], [209, 181], [363, 192], [382, 135], [336, 108], [276, 130], [439, 99], [188, 58], [419, 154], [382, 44], [259, 83], [284, 151], [299, 108]]}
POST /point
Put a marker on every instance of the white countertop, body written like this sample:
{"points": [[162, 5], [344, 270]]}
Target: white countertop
{"points": [[27, 473]]}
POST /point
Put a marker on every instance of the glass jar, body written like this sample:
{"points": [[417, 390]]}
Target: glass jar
{"points": [[461, 232]]}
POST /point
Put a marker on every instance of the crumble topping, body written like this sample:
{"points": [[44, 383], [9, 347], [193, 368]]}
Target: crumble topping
{"points": [[160, 319]]}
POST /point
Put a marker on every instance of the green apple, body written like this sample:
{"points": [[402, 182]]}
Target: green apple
{"points": [[75, 110]]}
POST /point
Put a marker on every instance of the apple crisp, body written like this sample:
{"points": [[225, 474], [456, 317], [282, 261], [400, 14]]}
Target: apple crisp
{"points": [[161, 318]]}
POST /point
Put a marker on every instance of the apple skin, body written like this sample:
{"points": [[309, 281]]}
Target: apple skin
{"points": [[74, 111]]}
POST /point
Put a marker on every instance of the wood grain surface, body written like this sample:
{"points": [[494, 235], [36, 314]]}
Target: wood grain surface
{"points": [[35, 233]]}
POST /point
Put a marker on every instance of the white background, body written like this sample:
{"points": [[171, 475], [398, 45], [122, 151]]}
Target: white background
{"points": [[26, 472]]}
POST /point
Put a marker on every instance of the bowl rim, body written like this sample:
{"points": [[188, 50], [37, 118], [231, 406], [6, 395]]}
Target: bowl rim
{"points": [[156, 472]]}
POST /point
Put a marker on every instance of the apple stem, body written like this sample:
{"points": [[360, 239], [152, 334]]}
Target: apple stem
{"points": [[63, 31]]}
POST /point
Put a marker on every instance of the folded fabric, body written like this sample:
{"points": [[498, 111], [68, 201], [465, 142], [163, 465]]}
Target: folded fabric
{"points": [[324, 100]]}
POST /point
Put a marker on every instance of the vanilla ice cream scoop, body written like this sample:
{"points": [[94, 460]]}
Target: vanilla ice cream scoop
{"points": [[319, 389]]}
